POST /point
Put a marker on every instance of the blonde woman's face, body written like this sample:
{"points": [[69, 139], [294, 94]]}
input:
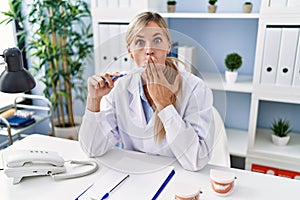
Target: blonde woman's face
{"points": [[151, 41]]}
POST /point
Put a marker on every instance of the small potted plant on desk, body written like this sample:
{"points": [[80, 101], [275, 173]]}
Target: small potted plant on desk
{"points": [[212, 8], [281, 129], [247, 7], [171, 6], [233, 62]]}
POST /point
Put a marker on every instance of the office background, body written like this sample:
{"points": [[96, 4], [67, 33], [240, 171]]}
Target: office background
{"points": [[220, 37]]}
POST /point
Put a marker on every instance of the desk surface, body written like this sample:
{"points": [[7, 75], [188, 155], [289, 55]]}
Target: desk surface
{"points": [[249, 185]]}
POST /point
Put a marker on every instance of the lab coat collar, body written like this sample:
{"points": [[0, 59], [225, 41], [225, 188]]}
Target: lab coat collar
{"points": [[135, 104]]}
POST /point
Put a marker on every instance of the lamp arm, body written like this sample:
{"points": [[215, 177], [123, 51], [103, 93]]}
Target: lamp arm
{"points": [[8, 129]]}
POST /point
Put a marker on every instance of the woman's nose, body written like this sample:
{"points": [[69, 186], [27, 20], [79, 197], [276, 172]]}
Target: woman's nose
{"points": [[149, 51]]}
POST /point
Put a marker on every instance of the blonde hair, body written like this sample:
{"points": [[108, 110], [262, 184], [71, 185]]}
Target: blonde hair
{"points": [[170, 71]]}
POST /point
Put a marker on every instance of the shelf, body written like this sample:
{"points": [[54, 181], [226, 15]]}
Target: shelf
{"points": [[44, 109], [263, 146], [217, 82], [277, 93], [16, 132], [211, 15], [237, 142]]}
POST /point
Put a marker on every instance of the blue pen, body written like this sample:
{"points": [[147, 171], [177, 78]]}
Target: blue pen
{"points": [[107, 194], [115, 77], [164, 185], [84, 192]]}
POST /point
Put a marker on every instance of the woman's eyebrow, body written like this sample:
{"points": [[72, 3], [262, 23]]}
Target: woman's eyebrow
{"points": [[156, 34], [140, 36]]}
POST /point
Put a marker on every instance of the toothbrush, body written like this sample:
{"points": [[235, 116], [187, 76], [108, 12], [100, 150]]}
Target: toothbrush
{"points": [[136, 70]]}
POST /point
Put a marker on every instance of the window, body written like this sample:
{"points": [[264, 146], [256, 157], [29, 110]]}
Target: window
{"points": [[6, 30], [8, 40]]}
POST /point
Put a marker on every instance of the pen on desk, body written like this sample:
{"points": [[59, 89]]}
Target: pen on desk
{"points": [[106, 195], [162, 187], [84, 191]]}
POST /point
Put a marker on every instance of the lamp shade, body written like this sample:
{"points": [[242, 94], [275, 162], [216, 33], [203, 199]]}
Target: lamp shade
{"points": [[15, 78]]}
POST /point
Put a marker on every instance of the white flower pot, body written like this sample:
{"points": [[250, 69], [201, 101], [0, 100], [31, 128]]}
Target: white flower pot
{"points": [[68, 132], [280, 141], [231, 77]]}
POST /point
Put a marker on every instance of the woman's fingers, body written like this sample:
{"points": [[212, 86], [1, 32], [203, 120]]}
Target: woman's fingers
{"points": [[94, 81], [176, 84], [154, 68], [108, 80], [104, 81]]}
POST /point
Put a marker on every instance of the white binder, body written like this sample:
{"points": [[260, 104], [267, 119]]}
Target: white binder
{"points": [[293, 3], [287, 55], [270, 55], [296, 76], [124, 4], [104, 55], [112, 3], [126, 61], [188, 55], [278, 3], [102, 3], [114, 48]]}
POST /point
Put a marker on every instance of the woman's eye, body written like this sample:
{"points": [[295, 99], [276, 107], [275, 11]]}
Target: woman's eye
{"points": [[139, 43], [157, 40]]}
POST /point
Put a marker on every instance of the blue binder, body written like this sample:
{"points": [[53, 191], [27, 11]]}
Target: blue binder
{"points": [[19, 122]]}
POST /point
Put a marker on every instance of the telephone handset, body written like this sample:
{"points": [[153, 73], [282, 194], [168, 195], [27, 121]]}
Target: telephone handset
{"points": [[20, 157], [23, 163]]}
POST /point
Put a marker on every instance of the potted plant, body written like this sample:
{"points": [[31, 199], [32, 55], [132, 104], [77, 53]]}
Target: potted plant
{"points": [[212, 8], [247, 7], [59, 43], [233, 62], [281, 129], [171, 6]]}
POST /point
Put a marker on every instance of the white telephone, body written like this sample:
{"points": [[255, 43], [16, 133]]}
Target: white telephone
{"points": [[23, 163]]}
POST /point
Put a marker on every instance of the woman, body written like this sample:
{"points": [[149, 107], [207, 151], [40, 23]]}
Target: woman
{"points": [[160, 110]]}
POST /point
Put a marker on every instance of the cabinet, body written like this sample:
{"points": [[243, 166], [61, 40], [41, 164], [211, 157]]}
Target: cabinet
{"points": [[42, 109], [254, 142], [276, 78]]}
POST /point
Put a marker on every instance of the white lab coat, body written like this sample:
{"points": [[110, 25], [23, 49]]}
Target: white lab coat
{"points": [[189, 128]]}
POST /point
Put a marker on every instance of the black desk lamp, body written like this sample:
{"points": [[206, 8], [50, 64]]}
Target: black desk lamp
{"points": [[14, 79]]}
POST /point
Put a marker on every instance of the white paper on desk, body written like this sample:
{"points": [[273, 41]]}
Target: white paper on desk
{"points": [[137, 186]]}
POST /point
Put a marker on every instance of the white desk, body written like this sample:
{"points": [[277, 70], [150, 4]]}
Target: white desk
{"points": [[249, 185]]}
